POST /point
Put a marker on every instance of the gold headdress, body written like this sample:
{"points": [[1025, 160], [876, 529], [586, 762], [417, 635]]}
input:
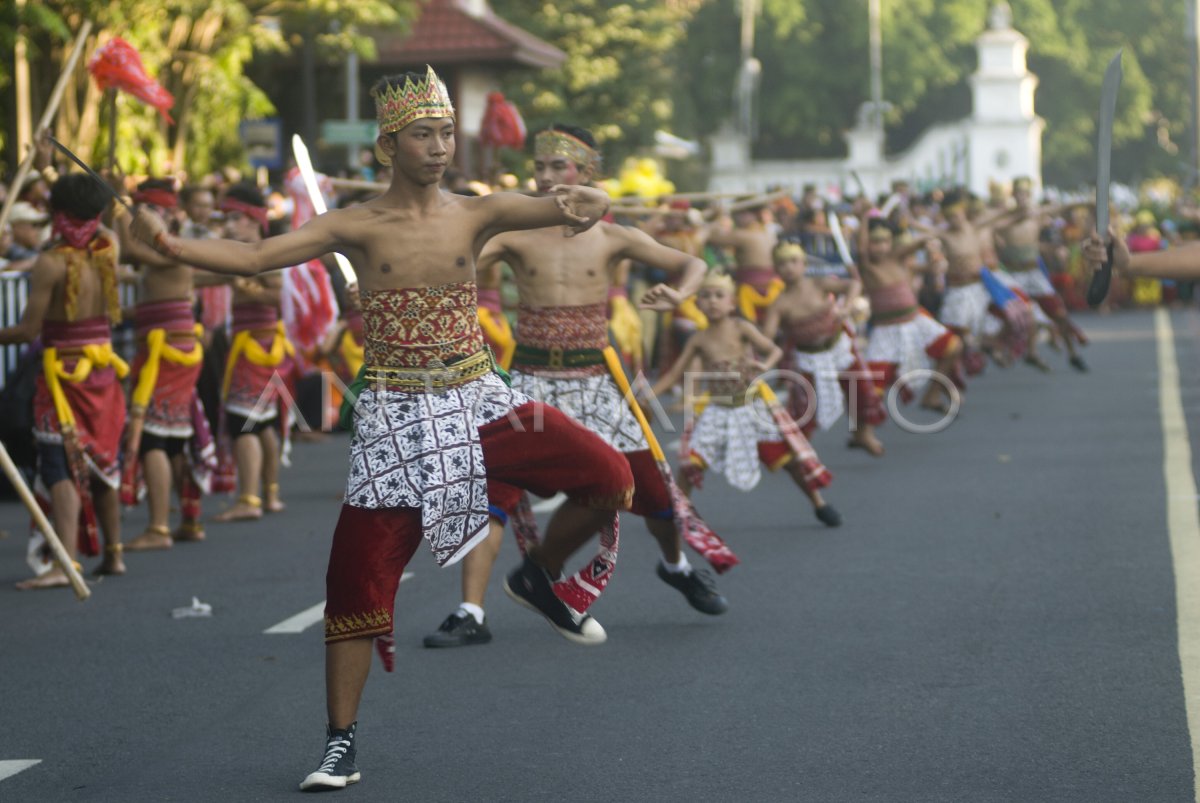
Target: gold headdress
{"points": [[398, 105], [553, 142], [787, 250], [718, 278]]}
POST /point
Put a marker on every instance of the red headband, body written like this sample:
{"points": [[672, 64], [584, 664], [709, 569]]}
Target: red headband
{"points": [[163, 198], [258, 213]]}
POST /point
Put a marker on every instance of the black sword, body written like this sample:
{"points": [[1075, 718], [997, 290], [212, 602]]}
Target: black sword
{"points": [[90, 172]]}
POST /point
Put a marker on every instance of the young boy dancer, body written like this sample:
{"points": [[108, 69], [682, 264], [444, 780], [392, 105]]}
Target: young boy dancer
{"points": [[743, 424]]}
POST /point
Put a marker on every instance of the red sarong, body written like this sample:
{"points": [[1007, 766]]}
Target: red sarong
{"points": [[81, 378]]}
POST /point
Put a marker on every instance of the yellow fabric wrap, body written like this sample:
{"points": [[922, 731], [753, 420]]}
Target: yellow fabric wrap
{"points": [[613, 361], [757, 389], [626, 328], [245, 344], [352, 353], [690, 312], [158, 349], [93, 355], [750, 300], [497, 329]]}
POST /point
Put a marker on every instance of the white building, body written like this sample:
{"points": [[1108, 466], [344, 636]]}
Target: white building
{"points": [[1002, 139]]}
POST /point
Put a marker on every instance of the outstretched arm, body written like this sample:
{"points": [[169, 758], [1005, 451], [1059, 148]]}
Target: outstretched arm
{"points": [[671, 377], [310, 241], [574, 206], [641, 247], [1178, 264]]}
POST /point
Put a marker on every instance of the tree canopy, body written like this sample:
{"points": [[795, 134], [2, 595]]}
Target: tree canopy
{"points": [[634, 66]]}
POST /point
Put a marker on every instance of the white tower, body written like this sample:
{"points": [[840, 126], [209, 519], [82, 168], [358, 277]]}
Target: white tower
{"points": [[1005, 133]]}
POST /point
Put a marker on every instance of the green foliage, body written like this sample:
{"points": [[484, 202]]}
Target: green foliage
{"points": [[816, 74], [199, 50], [619, 79]]}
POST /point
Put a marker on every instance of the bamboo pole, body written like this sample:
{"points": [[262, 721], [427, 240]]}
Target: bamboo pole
{"points": [[680, 196], [761, 200], [44, 123], [357, 184], [43, 524]]}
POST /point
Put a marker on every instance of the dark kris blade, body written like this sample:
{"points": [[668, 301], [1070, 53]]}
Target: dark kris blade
{"points": [[1108, 109], [89, 171]]}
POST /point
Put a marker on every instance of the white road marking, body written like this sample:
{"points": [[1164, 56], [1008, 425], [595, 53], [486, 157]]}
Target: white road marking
{"points": [[308, 617], [547, 505], [1183, 524], [10, 768]]}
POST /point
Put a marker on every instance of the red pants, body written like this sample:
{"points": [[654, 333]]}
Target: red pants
{"points": [[371, 547]]}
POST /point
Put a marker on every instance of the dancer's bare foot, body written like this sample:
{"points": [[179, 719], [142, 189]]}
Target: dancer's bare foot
{"points": [[153, 537], [867, 442], [189, 531], [55, 578], [273, 503], [247, 508], [113, 562], [935, 400]]}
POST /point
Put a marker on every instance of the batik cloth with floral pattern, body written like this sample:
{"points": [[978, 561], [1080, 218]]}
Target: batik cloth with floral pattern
{"points": [[422, 449]]}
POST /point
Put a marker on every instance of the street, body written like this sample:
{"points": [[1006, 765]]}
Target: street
{"points": [[995, 621]]}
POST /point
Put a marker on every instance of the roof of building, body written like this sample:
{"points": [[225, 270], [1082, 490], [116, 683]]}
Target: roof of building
{"points": [[465, 32]]}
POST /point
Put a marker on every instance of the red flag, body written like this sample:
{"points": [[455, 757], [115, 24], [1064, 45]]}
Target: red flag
{"points": [[117, 65], [502, 124], [310, 307]]}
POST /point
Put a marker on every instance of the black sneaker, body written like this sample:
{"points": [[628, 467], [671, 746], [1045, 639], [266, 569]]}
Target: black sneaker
{"points": [[337, 770], [459, 630], [828, 515], [698, 587], [529, 585], [1078, 364]]}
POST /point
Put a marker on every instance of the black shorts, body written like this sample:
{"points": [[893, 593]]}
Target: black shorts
{"points": [[52, 463], [172, 446], [240, 425]]}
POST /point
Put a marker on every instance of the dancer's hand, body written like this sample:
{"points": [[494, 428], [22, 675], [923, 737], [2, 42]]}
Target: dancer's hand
{"points": [[661, 298], [1095, 251], [583, 206], [152, 230]]}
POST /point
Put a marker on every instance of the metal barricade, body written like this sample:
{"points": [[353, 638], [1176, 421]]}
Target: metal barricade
{"points": [[14, 294]]}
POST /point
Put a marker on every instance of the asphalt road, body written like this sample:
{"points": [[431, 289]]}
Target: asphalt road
{"points": [[994, 622]]}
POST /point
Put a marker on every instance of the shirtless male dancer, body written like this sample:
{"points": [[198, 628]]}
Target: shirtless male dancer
{"points": [[757, 283], [1018, 244], [435, 424], [965, 309], [161, 425], [78, 404], [563, 289], [811, 313]]}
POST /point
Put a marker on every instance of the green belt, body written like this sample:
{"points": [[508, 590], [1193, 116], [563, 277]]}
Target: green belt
{"points": [[557, 358], [892, 315]]}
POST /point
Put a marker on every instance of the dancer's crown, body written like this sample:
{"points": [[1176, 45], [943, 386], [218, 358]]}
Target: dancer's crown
{"points": [[397, 105]]}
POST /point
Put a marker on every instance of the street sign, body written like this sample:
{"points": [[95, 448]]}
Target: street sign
{"points": [[349, 132], [264, 142]]}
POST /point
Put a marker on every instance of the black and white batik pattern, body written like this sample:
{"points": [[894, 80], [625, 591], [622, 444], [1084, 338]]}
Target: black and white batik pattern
{"points": [[422, 450], [1032, 283], [904, 345], [727, 439], [594, 401], [966, 308], [825, 367]]}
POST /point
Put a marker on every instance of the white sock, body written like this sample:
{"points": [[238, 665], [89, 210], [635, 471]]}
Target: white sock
{"points": [[474, 610], [682, 567]]}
